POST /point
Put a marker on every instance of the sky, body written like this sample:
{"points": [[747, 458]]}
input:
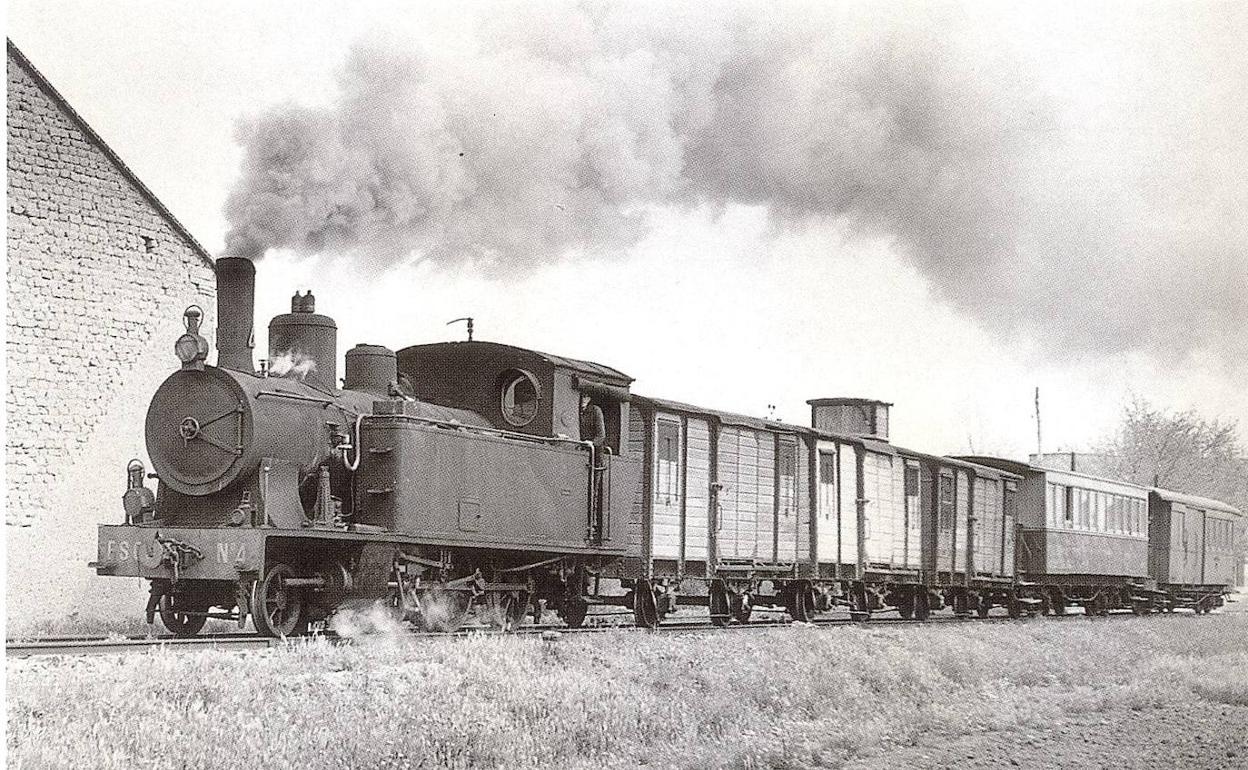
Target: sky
{"points": [[742, 206]]}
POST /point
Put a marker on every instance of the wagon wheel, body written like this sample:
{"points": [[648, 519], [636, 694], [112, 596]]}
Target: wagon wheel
{"points": [[741, 608], [572, 611], [922, 605], [182, 615], [905, 607], [1101, 605], [984, 606], [1058, 602], [645, 608], [443, 610], [1013, 607], [961, 603], [802, 602], [278, 610], [719, 605]]}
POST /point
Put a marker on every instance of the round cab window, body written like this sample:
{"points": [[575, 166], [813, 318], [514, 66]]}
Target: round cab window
{"points": [[520, 394]]}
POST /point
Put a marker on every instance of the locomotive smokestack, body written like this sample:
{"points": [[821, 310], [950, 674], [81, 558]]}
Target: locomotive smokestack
{"points": [[236, 290]]}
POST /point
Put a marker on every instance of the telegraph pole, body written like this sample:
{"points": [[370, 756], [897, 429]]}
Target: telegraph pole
{"points": [[1039, 449]]}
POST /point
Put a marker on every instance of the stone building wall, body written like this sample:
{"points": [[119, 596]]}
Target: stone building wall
{"points": [[98, 275]]}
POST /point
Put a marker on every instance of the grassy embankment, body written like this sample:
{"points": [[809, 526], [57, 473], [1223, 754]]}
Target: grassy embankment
{"points": [[789, 697]]}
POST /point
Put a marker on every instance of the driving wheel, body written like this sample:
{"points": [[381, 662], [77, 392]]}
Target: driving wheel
{"points": [[278, 609]]}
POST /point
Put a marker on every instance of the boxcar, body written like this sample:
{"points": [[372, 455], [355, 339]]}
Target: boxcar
{"points": [[1192, 548], [723, 514]]}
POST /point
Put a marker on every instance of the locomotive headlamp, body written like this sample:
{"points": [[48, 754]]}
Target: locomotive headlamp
{"points": [[191, 348]]}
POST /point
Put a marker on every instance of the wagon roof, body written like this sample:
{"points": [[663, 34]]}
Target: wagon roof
{"points": [[956, 462], [1022, 468], [1198, 502], [870, 443], [728, 418]]}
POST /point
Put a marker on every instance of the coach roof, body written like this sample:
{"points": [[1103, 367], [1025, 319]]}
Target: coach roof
{"points": [[1194, 501]]}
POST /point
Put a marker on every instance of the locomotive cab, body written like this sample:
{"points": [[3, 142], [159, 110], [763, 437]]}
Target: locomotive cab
{"points": [[519, 390]]}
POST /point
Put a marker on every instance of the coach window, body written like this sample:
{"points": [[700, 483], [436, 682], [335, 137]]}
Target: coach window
{"points": [[519, 394], [1059, 507], [1082, 506]]}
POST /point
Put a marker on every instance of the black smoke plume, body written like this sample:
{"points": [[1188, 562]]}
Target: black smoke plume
{"points": [[552, 133]]}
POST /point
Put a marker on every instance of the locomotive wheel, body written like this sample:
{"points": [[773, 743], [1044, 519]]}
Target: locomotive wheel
{"points": [[742, 608], [174, 615], [719, 605], [276, 609], [507, 610], [645, 608], [443, 611], [573, 611]]}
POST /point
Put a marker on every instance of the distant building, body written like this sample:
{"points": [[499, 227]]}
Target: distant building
{"points": [[99, 273]]}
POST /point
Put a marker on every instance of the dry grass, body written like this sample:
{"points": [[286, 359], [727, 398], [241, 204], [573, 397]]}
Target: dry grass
{"points": [[116, 627], [793, 697]]}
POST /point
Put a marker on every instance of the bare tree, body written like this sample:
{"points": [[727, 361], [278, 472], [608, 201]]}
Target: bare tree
{"points": [[1181, 451]]}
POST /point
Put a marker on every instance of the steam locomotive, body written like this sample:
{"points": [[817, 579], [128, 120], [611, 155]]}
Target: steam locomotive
{"points": [[451, 479]]}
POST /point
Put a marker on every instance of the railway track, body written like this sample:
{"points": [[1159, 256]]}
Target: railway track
{"points": [[87, 645]]}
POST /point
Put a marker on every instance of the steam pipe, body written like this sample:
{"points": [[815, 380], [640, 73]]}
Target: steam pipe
{"points": [[236, 295]]}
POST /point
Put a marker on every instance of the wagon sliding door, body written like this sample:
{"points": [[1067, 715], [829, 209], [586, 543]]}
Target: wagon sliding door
{"points": [[697, 488], [746, 510], [681, 487]]}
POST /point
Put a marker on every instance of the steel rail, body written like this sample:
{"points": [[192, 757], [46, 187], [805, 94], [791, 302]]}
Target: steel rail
{"points": [[84, 645]]}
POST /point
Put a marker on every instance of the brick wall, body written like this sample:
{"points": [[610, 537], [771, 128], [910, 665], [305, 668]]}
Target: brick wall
{"points": [[98, 276]]}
